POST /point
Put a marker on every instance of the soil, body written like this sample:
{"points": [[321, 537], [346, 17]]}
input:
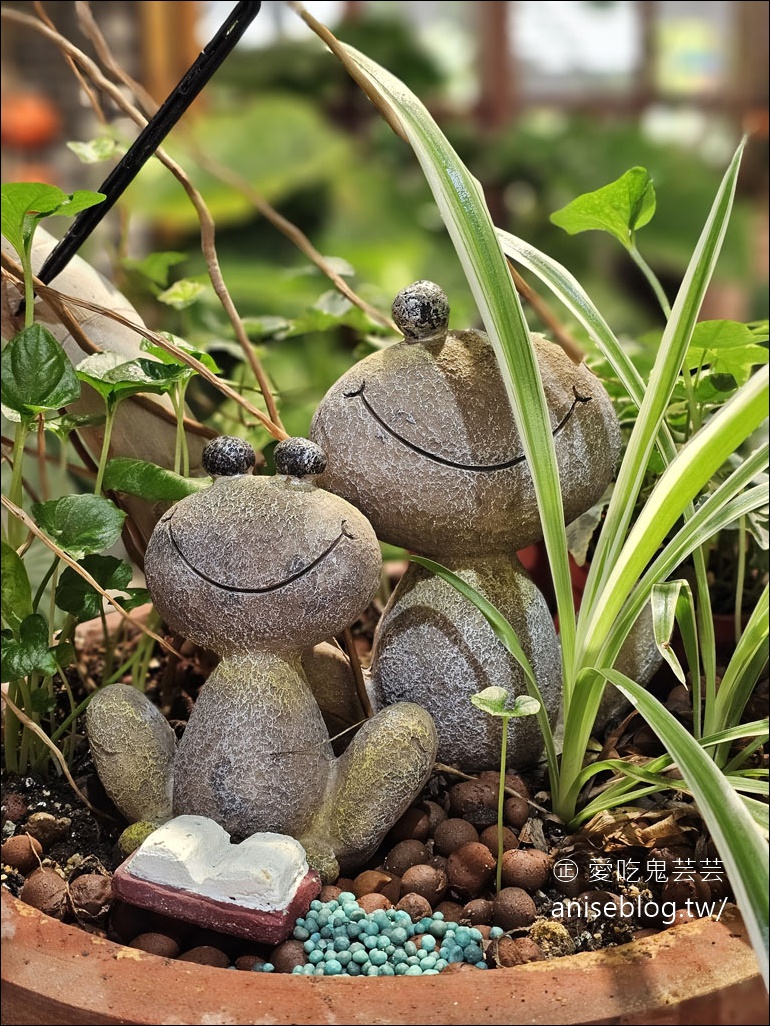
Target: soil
{"points": [[634, 870]]}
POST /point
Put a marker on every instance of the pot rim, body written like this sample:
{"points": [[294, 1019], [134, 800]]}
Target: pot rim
{"points": [[57, 973]]}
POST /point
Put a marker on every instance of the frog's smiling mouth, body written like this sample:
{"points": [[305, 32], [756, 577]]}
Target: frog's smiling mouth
{"points": [[359, 393], [345, 532]]}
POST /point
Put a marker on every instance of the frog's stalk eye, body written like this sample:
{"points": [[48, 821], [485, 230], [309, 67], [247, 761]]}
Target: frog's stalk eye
{"points": [[228, 456], [421, 312], [299, 457]]}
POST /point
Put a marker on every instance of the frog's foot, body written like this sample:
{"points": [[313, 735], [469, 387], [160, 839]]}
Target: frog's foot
{"points": [[133, 749], [377, 778], [320, 856]]}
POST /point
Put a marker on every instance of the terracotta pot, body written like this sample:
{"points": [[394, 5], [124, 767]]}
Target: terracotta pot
{"points": [[701, 972]]}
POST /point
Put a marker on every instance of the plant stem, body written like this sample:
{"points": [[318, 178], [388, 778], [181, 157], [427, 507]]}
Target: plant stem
{"points": [[11, 729], [29, 287], [43, 584], [108, 644], [181, 451], [500, 804], [108, 424], [52, 602], [42, 468], [15, 528], [26, 687], [652, 279]]}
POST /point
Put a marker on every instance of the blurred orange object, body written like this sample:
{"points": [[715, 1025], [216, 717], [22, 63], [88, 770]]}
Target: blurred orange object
{"points": [[29, 121]]}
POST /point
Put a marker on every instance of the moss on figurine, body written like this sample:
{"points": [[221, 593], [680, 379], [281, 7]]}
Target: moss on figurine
{"points": [[420, 437], [258, 569]]}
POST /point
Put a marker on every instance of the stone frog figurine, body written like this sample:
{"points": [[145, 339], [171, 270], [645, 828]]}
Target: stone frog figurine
{"points": [[257, 569], [421, 438]]}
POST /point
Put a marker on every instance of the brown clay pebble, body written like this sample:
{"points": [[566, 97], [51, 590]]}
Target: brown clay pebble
{"points": [[22, 853], [91, 896], [371, 902], [405, 855], [414, 824], [571, 875], [516, 951], [128, 921], [692, 888], [15, 806], [188, 935], [438, 862], [513, 908], [474, 801], [679, 702], [515, 812], [329, 893], [376, 881], [491, 837], [204, 954], [427, 881], [417, 907], [247, 963], [287, 955], [478, 912], [527, 868], [470, 869], [512, 781], [459, 967], [436, 814], [204, 937], [452, 834], [156, 944], [451, 911], [600, 903], [345, 883], [45, 890]]}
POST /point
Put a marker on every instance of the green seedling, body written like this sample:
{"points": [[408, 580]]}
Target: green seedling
{"points": [[494, 701]]}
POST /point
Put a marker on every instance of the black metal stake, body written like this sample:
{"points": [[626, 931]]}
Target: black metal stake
{"points": [[151, 136]]}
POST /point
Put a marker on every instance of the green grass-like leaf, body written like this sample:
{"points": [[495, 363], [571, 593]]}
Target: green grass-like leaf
{"points": [[740, 844]]}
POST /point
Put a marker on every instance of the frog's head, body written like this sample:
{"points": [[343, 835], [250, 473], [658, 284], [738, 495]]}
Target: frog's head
{"points": [[420, 437], [262, 562]]}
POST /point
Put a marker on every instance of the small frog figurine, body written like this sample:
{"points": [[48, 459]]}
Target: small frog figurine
{"points": [[421, 438], [258, 568]]}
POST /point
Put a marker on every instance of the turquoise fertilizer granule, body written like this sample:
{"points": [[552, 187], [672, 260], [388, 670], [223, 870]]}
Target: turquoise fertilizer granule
{"points": [[341, 939]]}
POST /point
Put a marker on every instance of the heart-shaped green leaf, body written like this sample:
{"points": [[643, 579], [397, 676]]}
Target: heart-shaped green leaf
{"points": [[619, 208], [16, 590], [30, 652], [80, 524], [36, 374], [75, 595], [116, 379]]}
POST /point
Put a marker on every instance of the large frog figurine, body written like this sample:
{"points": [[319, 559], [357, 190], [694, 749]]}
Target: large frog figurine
{"points": [[421, 438], [257, 569]]}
